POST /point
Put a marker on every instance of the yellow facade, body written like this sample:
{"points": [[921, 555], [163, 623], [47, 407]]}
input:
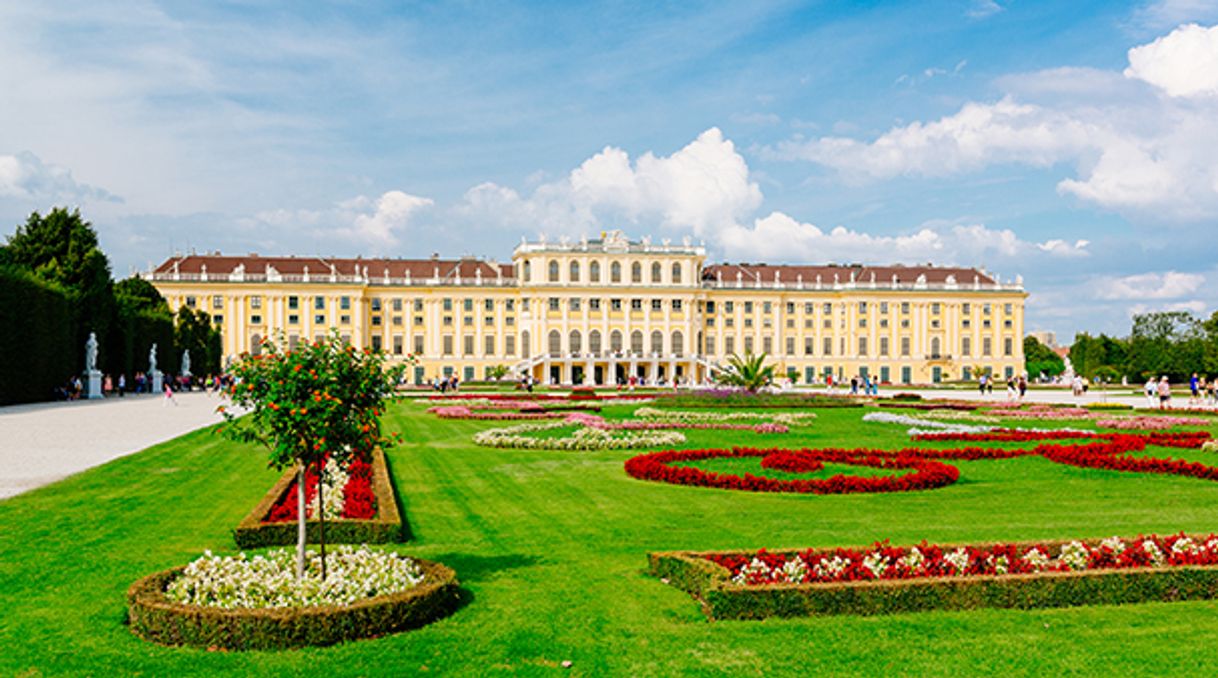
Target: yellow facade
{"points": [[599, 311]]}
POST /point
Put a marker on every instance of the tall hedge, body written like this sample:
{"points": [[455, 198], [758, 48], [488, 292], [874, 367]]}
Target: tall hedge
{"points": [[36, 352]]}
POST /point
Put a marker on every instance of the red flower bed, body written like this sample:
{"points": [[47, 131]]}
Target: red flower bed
{"points": [[359, 499], [1106, 453], [883, 561]]}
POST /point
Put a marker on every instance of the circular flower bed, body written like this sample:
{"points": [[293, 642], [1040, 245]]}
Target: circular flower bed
{"points": [[584, 438], [255, 602]]}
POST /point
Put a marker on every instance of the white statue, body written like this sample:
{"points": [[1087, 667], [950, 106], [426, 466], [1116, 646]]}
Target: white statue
{"points": [[91, 353], [186, 363], [152, 358]]}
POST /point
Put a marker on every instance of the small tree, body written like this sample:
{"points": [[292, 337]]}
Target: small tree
{"points": [[750, 372], [497, 372], [307, 406], [793, 375]]}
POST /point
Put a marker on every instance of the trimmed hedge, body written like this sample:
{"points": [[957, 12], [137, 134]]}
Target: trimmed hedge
{"points": [[710, 584], [388, 525], [153, 616], [36, 325]]}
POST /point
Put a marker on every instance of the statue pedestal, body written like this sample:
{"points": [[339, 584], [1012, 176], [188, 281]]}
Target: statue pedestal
{"points": [[93, 384], [157, 382]]}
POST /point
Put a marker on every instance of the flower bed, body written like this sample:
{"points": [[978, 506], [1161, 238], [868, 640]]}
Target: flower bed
{"points": [[675, 424], [380, 603], [782, 418], [1150, 423], [508, 410], [1104, 451], [884, 579], [731, 397], [347, 494], [584, 438], [370, 512]]}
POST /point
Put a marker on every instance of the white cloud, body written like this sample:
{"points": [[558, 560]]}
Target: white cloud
{"points": [[703, 187], [1182, 63], [1162, 14], [1147, 156], [981, 9], [25, 177], [1169, 285], [364, 220], [1192, 306], [780, 237]]}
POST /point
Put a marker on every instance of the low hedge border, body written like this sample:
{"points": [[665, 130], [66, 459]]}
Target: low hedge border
{"points": [[710, 585], [386, 527], [153, 616]]}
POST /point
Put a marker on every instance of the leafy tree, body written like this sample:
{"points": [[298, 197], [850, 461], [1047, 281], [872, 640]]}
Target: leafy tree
{"points": [[497, 372], [1040, 359], [320, 402], [1165, 342], [750, 372], [194, 333], [137, 294], [61, 248]]}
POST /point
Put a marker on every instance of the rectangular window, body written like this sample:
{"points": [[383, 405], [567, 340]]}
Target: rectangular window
{"points": [[255, 320], [1007, 324], [615, 304], [767, 345], [397, 344], [448, 344], [809, 308], [827, 309], [986, 346], [509, 305], [397, 321], [574, 304], [509, 344], [966, 323], [468, 305], [729, 307], [862, 322], [191, 302], [418, 320], [418, 344], [217, 319], [594, 304], [467, 344], [862, 346], [376, 342], [729, 322], [1008, 346], [293, 319], [397, 304], [905, 308], [489, 348], [748, 345], [884, 346], [808, 344], [934, 308], [448, 305], [710, 322], [509, 321], [729, 345], [555, 303], [217, 302], [767, 307], [710, 344], [376, 305], [905, 346], [1007, 308], [748, 322], [985, 309], [657, 305], [883, 307], [862, 307], [344, 319], [293, 302], [676, 305], [790, 345], [418, 305], [344, 303], [636, 304], [826, 347], [488, 320], [489, 305], [966, 346], [256, 303], [710, 307], [966, 308], [790, 307], [748, 307], [319, 320]]}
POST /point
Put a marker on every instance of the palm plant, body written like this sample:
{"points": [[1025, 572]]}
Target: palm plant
{"points": [[749, 372]]}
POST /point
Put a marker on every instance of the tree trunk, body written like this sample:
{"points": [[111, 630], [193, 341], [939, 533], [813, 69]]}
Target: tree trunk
{"points": [[321, 513], [301, 524]]}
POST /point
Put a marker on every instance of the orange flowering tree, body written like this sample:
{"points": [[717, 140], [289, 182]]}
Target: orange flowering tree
{"points": [[318, 403]]}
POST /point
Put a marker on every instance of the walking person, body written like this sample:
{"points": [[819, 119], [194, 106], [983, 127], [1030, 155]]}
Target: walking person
{"points": [[1194, 390], [122, 384], [168, 394], [1164, 391], [1010, 389], [981, 384], [1023, 387], [1152, 391]]}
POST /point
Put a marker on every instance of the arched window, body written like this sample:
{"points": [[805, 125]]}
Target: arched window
{"points": [[615, 272], [555, 342], [934, 347], [574, 277], [676, 274], [615, 341], [528, 271], [636, 272], [524, 344], [594, 272], [657, 273], [553, 271], [256, 344], [574, 340], [678, 343], [657, 342], [594, 341], [636, 342]]}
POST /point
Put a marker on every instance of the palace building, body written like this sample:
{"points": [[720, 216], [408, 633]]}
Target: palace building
{"points": [[598, 311]]}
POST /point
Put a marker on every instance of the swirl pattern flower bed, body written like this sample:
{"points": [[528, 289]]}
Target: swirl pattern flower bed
{"points": [[369, 510], [206, 603], [885, 579], [583, 438], [1106, 451]]}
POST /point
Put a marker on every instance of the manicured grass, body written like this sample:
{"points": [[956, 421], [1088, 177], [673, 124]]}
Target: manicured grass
{"points": [[551, 546]]}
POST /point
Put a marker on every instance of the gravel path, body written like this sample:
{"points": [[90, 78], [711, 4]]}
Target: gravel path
{"points": [[45, 442]]}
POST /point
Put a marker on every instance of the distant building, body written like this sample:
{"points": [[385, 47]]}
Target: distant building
{"points": [[601, 310], [1045, 337]]}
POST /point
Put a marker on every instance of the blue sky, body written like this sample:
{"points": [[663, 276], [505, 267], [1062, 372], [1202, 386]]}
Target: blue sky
{"points": [[1074, 144]]}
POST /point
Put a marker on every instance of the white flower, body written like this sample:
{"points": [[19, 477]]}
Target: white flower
{"points": [[1184, 545], [958, 559], [1156, 556], [876, 563], [1074, 556], [831, 568], [795, 570], [1114, 544], [1036, 558], [914, 559], [756, 567]]}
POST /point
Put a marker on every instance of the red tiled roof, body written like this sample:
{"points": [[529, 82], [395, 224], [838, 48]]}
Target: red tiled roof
{"points": [[218, 264], [883, 274]]}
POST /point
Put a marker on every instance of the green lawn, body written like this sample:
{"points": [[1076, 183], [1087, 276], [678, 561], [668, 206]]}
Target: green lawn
{"points": [[552, 546]]}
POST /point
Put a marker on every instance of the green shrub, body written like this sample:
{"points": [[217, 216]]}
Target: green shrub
{"points": [[151, 615], [1108, 406], [710, 584], [906, 397], [388, 525], [36, 322]]}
